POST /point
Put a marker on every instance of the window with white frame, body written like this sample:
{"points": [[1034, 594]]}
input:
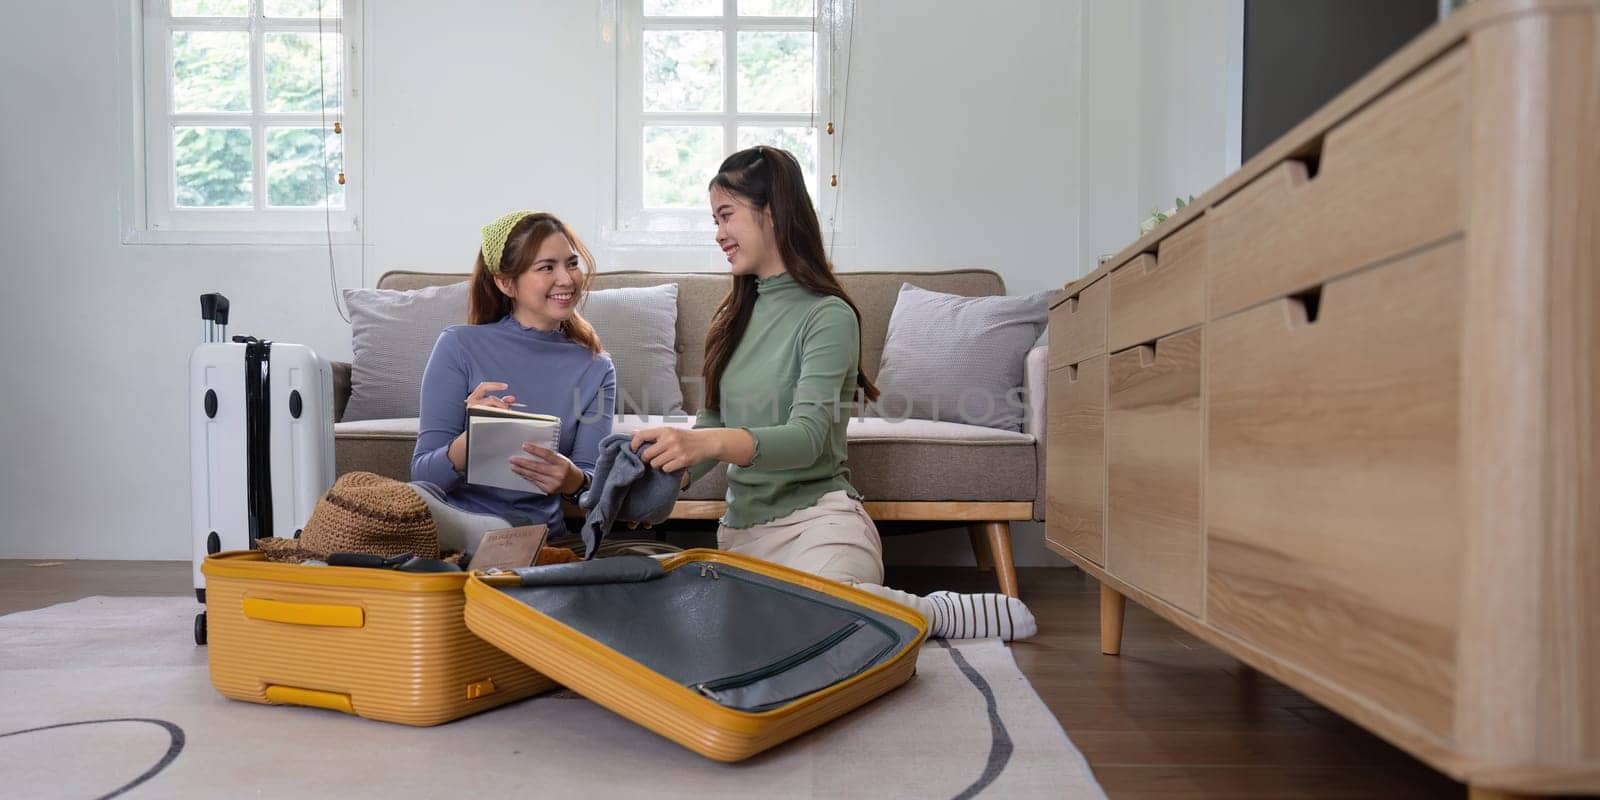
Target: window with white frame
{"points": [[700, 79], [247, 113]]}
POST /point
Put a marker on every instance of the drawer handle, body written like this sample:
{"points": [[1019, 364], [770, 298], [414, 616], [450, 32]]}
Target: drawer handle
{"points": [[1310, 157], [1291, 174], [1150, 262], [1147, 355], [315, 614], [1072, 373], [1072, 304], [1305, 307], [295, 696]]}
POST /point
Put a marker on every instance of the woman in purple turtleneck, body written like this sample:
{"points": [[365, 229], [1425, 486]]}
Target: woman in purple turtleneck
{"points": [[524, 343]]}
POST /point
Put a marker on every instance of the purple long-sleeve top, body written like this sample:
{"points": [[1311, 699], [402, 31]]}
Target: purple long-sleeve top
{"points": [[547, 371]]}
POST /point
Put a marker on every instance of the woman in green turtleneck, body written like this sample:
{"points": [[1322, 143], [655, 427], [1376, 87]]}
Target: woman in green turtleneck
{"points": [[781, 375]]}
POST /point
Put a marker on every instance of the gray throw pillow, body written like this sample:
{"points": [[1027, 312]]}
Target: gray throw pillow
{"points": [[392, 333], [958, 359], [638, 328]]}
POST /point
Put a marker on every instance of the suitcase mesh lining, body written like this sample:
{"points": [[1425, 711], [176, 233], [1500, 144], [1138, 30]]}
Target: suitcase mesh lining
{"points": [[761, 641]]}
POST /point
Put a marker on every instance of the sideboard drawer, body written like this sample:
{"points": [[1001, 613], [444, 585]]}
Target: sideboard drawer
{"points": [[1154, 295], [1153, 443], [1333, 498], [1388, 180], [1075, 466], [1078, 326]]}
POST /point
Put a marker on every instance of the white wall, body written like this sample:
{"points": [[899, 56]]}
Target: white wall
{"points": [[1110, 148], [1184, 104], [1159, 89], [963, 145]]}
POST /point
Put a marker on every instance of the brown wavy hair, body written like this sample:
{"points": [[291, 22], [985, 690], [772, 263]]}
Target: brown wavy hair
{"points": [[770, 179], [486, 303]]}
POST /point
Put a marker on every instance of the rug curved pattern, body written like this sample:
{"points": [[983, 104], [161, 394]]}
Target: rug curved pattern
{"points": [[969, 725]]}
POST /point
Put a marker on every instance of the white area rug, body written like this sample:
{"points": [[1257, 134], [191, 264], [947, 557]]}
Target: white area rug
{"points": [[967, 725]]}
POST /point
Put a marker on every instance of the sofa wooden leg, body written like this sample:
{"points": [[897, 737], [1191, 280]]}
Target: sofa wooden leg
{"points": [[980, 547], [999, 536], [1112, 604]]}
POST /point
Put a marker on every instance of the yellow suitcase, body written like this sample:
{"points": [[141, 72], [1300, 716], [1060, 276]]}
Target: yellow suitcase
{"points": [[385, 645], [723, 654]]}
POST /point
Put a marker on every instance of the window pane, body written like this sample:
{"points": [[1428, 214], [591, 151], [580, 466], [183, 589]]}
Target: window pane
{"points": [[302, 9], [775, 71], [210, 71], [683, 8], [291, 71], [682, 71], [679, 161], [776, 8], [212, 165], [210, 8], [800, 142], [297, 172]]}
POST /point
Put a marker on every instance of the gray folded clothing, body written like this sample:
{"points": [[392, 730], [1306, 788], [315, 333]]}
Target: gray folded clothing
{"points": [[625, 488]]}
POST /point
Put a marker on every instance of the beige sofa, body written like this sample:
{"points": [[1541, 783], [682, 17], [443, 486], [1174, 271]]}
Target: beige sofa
{"points": [[914, 470]]}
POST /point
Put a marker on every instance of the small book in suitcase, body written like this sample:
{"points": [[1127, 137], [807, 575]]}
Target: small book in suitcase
{"points": [[380, 644], [723, 654]]}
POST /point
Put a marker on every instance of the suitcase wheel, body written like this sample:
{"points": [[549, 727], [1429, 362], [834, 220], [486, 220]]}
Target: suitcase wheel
{"points": [[200, 628]]}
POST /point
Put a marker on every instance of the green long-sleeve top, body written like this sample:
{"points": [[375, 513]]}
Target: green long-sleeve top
{"points": [[791, 383]]}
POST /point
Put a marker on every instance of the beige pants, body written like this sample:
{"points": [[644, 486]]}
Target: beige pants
{"points": [[833, 538]]}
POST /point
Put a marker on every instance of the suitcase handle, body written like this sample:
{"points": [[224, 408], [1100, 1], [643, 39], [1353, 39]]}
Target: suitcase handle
{"points": [[295, 696], [316, 614]]}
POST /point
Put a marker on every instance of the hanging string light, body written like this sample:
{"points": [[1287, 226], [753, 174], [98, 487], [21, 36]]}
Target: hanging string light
{"points": [[840, 40], [338, 130]]}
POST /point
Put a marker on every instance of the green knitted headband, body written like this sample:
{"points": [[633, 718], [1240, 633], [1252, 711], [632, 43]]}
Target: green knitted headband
{"points": [[494, 237]]}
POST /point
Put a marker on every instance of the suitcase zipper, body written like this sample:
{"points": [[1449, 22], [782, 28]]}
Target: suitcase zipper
{"points": [[712, 689], [258, 437]]}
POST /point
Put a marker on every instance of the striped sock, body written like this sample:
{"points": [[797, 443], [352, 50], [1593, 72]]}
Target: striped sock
{"points": [[978, 616]]}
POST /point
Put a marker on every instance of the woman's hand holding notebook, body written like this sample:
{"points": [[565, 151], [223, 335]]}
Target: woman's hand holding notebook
{"points": [[494, 435]]}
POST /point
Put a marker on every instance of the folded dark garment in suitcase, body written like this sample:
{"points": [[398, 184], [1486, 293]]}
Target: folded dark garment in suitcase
{"points": [[745, 640]]}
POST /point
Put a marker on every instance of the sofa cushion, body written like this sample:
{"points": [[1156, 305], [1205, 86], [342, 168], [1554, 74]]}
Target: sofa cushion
{"points": [[383, 446], [908, 460], [391, 336], [636, 327], [959, 359], [931, 461], [905, 460]]}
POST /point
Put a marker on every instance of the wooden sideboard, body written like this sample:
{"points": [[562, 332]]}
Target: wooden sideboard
{"points": [[1340, 417]]}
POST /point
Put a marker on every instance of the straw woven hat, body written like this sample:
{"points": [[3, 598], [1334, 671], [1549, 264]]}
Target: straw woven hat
{"points": [[361, 513]]}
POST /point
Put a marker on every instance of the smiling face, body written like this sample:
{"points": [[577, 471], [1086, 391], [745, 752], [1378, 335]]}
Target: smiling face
{"points": [[544, 295], [745, 235]]}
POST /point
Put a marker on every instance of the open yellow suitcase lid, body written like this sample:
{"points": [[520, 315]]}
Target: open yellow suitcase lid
{"points": [[723, 654]]}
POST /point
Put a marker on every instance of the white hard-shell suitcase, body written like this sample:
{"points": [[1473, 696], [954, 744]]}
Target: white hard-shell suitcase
{"points": [[260, 439]]}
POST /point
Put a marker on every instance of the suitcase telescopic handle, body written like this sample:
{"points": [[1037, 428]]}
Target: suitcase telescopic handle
{"points": [[214, 313]]}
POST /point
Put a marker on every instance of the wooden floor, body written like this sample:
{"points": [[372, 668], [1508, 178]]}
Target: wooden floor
{"points": [[1171, 717]]}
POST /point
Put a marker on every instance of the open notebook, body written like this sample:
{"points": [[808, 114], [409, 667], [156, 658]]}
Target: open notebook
{"points": [[494, 435]]}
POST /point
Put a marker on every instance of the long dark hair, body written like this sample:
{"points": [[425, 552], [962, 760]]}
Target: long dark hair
{"points": [[486, 303], [770, 179]]}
